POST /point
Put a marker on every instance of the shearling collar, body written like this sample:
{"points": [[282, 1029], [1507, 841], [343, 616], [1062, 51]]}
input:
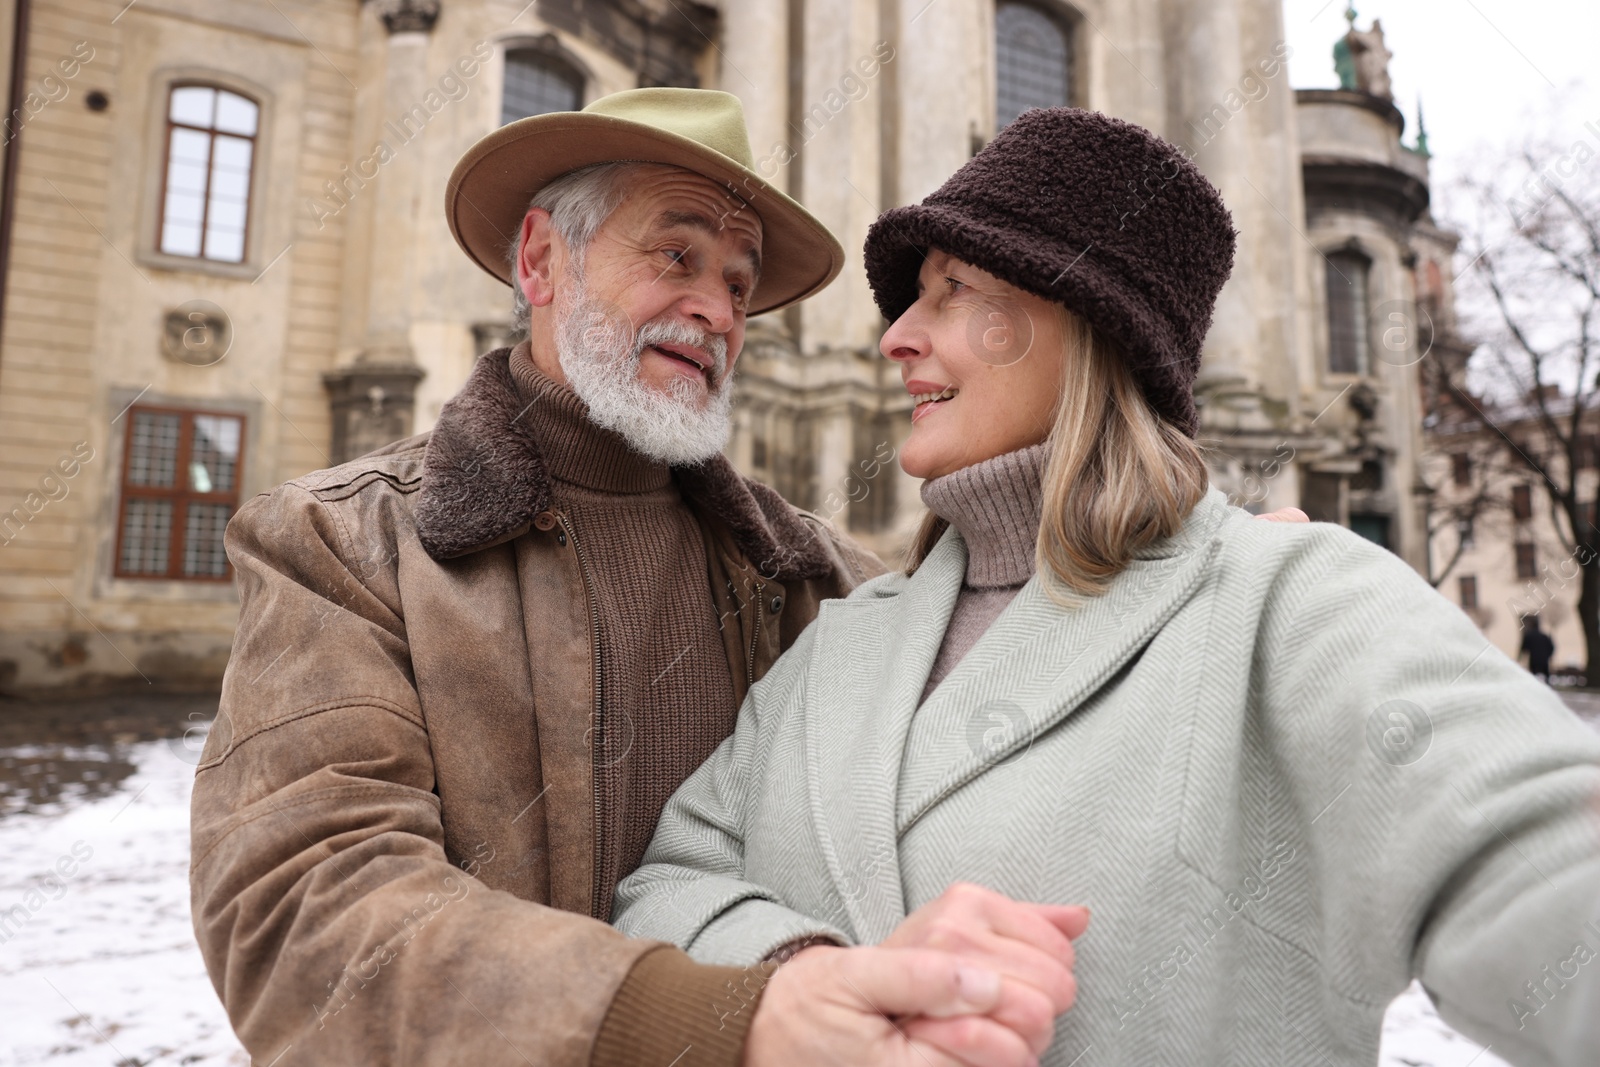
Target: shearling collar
{"points": [[483, 481]]}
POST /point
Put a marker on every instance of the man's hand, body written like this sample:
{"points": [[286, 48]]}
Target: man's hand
{"points": [[1028, 945], [1285, 515], [841, 1006]]}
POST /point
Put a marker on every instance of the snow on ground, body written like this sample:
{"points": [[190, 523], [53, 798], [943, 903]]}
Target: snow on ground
{"points": [[1415, 1036], [104, 972]]}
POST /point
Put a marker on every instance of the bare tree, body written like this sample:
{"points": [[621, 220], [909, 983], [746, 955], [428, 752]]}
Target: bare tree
{"points": [[1532, 292], [1464, 487]]}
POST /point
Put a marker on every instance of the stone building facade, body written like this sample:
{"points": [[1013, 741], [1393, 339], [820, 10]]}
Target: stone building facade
{"points": [[1501, 548], [226, 263]]}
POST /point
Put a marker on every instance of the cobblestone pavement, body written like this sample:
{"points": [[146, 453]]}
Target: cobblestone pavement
{"points": [[100, 969]]}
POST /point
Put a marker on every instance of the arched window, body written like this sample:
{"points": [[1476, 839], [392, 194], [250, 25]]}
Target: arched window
{"points": [[205, 196], [536, 83], [1347, 312], [1033, 60]]}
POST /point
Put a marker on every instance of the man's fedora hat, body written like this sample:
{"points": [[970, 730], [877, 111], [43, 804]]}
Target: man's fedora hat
{"points": [[700, 130]]}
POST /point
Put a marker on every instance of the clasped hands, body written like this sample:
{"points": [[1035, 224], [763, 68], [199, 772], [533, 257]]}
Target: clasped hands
{"points": [[971, 979]]}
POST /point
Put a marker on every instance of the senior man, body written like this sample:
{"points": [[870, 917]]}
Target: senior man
{"points": [[471, 667]]}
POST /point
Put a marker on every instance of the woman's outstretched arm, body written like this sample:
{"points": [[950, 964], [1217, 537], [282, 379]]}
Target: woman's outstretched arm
{"points": [[1450, 802]]}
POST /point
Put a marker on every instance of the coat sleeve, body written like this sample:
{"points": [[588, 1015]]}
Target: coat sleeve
{"points": [[1450, 801], [331, 922], [691, 888]]}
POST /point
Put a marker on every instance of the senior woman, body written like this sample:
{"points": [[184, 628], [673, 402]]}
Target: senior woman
{"points": [[1284, 774]]}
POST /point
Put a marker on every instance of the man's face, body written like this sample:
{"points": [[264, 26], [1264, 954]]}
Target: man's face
{"points": [[647, 329], [680, 249]]}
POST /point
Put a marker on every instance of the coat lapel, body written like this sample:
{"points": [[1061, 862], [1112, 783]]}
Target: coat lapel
{"points": [[867, 671], [1039, 662]]}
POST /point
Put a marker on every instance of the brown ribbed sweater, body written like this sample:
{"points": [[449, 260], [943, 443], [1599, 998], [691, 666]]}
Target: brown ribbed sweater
{"points": [[666, 699], [995, 506], [666, 696]]}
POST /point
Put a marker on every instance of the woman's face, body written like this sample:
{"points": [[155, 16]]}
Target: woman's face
{"points": [[982, 358]]}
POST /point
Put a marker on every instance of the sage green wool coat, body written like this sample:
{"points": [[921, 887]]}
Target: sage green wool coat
{"points": [[1285, 775]]}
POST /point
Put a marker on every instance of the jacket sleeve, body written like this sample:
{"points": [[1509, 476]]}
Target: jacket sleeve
{"points": [[1452, 804], [331, 922], [691, 889]]}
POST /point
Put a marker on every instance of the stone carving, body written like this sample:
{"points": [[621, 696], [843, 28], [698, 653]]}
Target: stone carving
{"points": [[198, 333], [407, 16], [372, 405], [1361, 59], [1371, 60]]}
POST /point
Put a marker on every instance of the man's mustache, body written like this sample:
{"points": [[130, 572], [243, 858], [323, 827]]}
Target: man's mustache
{"points": [[674, 331]]}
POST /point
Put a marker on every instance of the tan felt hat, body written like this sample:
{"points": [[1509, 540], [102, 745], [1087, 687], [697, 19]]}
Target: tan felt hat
{"points": [[700, 130]]}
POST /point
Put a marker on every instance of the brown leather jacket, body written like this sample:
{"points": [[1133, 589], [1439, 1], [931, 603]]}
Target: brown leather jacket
{"points": [[393, 820]]}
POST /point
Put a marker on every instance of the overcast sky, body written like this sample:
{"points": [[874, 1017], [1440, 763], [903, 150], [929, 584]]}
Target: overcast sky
{"points": [[1487, 70]]}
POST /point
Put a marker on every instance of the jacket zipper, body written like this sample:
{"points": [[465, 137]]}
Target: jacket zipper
{"points": [[597, 710], [755, 639]]}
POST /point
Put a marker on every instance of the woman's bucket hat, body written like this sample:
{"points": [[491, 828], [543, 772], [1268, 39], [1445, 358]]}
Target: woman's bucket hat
{"points": [[1097, 214]]}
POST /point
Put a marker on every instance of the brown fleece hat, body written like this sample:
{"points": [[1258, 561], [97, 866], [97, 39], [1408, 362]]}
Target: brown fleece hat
{"points": [[1094, 213]]}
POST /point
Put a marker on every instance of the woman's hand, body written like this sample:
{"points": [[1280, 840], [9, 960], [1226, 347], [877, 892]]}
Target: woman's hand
{"points": [[896, 1008], [1028, 945]]}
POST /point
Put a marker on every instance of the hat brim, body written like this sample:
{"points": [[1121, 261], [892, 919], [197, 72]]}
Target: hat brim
{"points": [[489, 190]]}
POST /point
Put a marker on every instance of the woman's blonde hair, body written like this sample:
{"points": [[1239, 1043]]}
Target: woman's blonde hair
{"points": [[1119, 477]]}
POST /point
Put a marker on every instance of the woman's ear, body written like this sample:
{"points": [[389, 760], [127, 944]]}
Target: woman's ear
{"points": [[537, 258]]}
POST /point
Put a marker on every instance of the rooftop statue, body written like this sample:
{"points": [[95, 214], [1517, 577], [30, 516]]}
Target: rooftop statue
{"points": [[1361, 59], [1344, 63]]}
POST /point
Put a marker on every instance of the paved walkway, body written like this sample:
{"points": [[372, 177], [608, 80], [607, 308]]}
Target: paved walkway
{"points": [[1585, 702]]}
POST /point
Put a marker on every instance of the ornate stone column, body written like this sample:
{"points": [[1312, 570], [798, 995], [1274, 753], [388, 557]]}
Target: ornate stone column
{"points": [[373, 399]]}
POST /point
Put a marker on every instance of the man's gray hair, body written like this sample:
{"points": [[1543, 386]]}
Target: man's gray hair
{"points": [[579, 202]]}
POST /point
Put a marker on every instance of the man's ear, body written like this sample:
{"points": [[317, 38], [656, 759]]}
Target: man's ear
{"points": [[535, 266]]}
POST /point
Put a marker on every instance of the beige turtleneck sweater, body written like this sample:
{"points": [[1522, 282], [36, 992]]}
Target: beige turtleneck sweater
{"points": [[995, 506]]}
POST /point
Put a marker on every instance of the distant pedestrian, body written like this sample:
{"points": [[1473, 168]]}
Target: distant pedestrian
{"points": [[1537, 646]]}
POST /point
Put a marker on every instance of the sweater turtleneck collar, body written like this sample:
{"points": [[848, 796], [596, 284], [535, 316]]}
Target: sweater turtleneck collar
{"points": [[574, 449], [995, 506]]}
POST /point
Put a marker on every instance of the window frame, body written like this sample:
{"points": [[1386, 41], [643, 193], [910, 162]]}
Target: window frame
{"points": [[1588, 450], [1467, 590], [1066, 19], [1368, 264], [265, 220], [549, 47], [181, 497], [551, 42], [205, 201], [1522, 502], [1528, 548]]}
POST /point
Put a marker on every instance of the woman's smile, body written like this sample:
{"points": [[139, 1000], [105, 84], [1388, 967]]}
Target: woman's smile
{"points": [[928, 395]]}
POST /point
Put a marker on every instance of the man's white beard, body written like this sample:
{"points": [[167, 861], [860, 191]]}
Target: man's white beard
{"points": [[600, 354]]}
